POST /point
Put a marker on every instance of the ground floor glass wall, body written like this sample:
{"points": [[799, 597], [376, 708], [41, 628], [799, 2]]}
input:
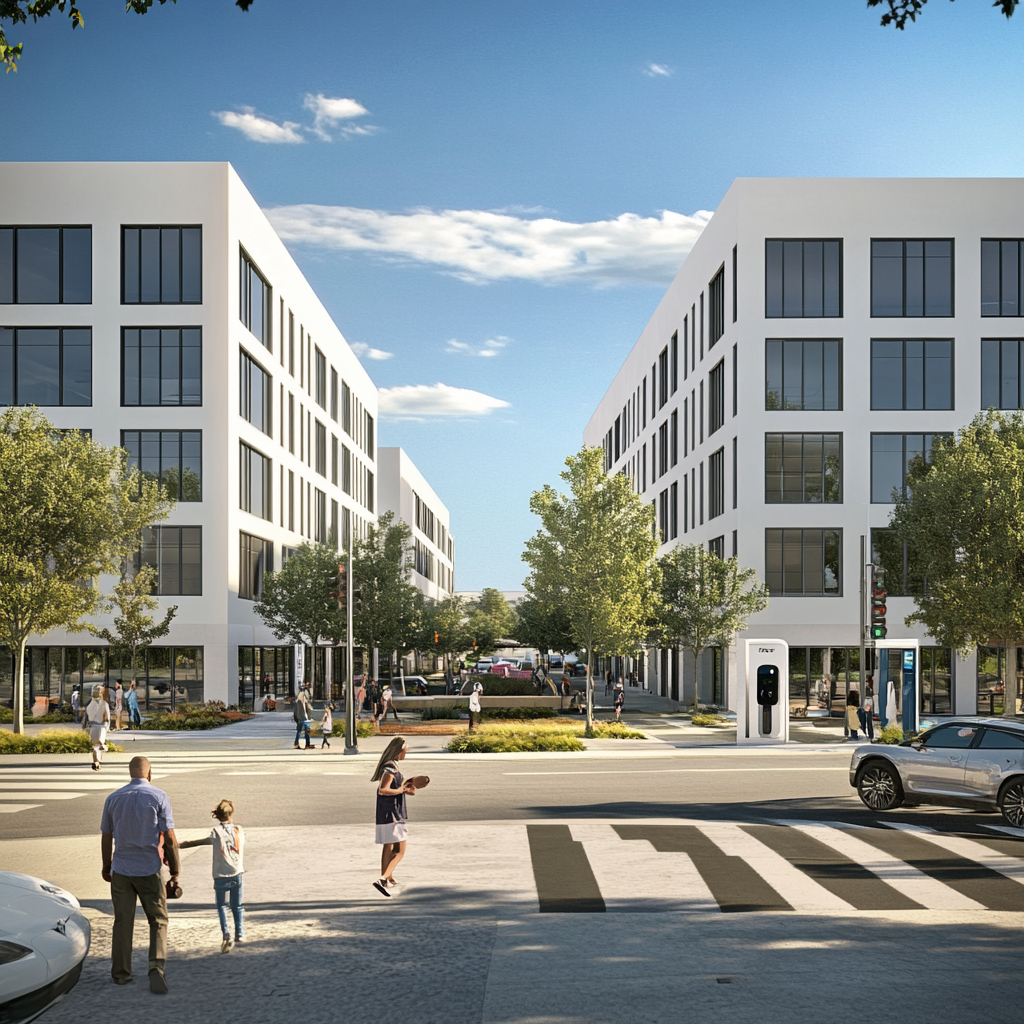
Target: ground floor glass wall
{"points": [[992, 677], [265, 672]]}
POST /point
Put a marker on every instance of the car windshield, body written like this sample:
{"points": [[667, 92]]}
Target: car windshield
{"points": [[950, 736]]}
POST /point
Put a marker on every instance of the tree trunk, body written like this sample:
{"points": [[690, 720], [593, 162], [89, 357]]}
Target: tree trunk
{"points": [[1010, 681], [19, 688], [590, 692]]}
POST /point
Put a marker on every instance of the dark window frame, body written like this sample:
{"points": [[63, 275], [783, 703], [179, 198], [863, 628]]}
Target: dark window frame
{"points": [[181, 388], [245, 397], [804, 342], [999, 372], [836, 532], [924, 297], [246, 454], [249, 589], [159, 532], [716, 483], [927, 440], [248, 267], [716, 397], [802, 315], [925, 407], [1000, 279], [782, 438], [13, 381], [181, 265], [716, 307], [60, 228], [159, 440]]}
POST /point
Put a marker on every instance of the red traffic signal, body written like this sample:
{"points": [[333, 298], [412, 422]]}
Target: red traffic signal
{"points": [[435, 637]]}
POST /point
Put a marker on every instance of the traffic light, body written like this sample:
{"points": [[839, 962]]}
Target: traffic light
{"points": [[436, 638], [338, 588], [878, 596], [357, 601]]}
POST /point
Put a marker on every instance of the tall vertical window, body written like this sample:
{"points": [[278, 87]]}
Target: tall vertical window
{"points": [[346, 408], [735, 293], [46, 366], [716, 484], [618, 439], [161, 264], [803, 278], [674, 437], [161, 366], [334, 394], [803, 374], [716, 307], [891, 455], [321, 379], [663, 449], [333, 535], [912, 277], [254, 299], [735, 475], [1002, 386], [255, 483], [176, 552], [319, 516], [291, 342], [803, 562], [291, 423], [346, 470], [803, 469], [321, 448], [911, 374], [255, 394], [675, 361], [171, 458], [663, 516], [369, 490], [717, 546], [255, 560], [663, 377], [291, 500], [735, 380], [1002, 277], [334, 460], [369, 440], [45, 265], [673, 511], [716, 398]]}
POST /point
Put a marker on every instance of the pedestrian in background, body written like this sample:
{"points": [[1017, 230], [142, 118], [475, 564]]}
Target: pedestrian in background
{"points": [[303, 715], [327, 726], [133, 706], [867, 710], [136, 821], [228, 842], [620, 699], [392, 830], [474, 703], [852, 716], [360, 698], [118, 707], [76, 699], [97, 721]]}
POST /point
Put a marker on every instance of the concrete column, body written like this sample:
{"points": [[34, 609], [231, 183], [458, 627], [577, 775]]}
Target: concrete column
{"points": [[965, 684]]}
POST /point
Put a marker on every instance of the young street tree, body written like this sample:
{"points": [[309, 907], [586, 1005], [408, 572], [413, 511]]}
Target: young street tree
{"points": [[705, 601], [594, 555], [490, 620], [962, 521], [69, 512], [544, 626], [443, 629], [134, 630], [300, 601], [388, 609]]}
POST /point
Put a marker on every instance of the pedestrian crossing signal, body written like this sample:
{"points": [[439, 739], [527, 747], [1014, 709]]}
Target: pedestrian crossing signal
{"points": [[878, 603]]}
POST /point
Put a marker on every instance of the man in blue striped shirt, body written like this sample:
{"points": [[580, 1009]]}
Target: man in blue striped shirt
{"points": [[136, 818]]}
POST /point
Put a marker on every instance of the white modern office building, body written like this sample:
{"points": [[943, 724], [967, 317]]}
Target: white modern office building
{"points": [[154, 306], [403, 490], [820, 334]]}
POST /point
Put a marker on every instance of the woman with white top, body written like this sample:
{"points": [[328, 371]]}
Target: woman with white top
{"points": [[228, 842], [97, 721]]}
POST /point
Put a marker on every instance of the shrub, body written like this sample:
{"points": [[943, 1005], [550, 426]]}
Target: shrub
{"points": [[521, 714], [510, 739], [440, 713], [6, 715], [193, 716], [706, 720], [616, 731], [51, 741], [891, 734], [363, 729]]}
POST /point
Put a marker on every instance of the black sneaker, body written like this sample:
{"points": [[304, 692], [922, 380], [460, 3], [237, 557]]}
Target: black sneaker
{"points": [[157, 983], [382, 887]]}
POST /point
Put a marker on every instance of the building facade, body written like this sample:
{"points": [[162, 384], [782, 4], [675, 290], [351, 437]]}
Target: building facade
{"points": [[154, 306], [820, 335]]}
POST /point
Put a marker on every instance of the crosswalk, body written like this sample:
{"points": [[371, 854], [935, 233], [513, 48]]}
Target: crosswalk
{"points": [[807, 867]]}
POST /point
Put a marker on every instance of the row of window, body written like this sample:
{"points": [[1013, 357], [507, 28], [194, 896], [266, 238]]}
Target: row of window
{"points": [[909, 277], [433, 529]]}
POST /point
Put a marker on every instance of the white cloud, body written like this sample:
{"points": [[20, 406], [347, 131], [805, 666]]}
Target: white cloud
{"points": [[361, 349], [329, 111], [652, 70], [259, 129], [481, 245], [423, 401], [491, 347]]}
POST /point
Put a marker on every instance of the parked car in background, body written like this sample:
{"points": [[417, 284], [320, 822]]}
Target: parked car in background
{"points": [[44, 939], [970, 762]]}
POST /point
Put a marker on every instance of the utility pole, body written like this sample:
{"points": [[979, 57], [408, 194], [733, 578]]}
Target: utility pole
{"points": [[351, 746], [863, 623]]}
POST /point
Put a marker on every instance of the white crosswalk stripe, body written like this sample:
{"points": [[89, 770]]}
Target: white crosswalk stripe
{"points": [[968, 849], [18, 785]]}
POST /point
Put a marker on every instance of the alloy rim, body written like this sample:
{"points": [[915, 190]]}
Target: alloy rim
{"points": [[877, 789], [1013, 805]]}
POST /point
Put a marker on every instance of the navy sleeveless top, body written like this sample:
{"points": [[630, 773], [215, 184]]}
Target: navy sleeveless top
{"points": [[391, 808]]}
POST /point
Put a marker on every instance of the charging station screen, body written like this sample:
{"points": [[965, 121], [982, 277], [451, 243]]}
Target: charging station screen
{"points": [[767, 685]]}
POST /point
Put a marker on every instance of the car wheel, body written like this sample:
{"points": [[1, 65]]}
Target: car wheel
{"points": [[1011, 803], [879, 787]]}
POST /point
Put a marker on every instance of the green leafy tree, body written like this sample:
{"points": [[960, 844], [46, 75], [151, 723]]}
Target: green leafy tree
{"points": [[444, 630], [962, 521], [490, 620], [134, 630], [300, 600], [705, 601], [70, 511], [388, 609], [899, 12], [594, 555], [544, 626], [17, 12]]}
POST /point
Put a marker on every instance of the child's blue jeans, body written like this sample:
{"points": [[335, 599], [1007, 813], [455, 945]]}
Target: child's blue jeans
{"points": [[229, 890]]}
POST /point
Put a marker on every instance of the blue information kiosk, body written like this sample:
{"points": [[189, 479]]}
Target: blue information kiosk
{"points": [[897, 690]]}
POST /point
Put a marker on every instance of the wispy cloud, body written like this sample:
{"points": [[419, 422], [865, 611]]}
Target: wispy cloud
{"points": [[481, 245], [433, 401], [329, 111], [363, 350], [259, 129], [652, 70], [491, 347]]}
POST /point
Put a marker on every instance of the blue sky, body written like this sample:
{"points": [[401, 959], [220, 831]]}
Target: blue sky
{"points": [[542, 143]]}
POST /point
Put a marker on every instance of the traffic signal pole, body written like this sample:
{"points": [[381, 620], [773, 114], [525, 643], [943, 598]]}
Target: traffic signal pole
{"points": [[351, 745], [863, 624]]}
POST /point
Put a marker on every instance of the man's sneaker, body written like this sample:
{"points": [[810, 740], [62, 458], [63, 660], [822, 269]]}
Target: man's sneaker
{"points": [[225, 946], [157, 982], [382, 887]]}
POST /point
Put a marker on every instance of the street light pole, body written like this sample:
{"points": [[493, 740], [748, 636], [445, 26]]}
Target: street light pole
{"points": [[351, 745]]}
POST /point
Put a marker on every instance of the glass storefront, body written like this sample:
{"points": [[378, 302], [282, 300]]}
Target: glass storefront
{"points": [[991, 679], [265, 671], [936, 681], [820, 677]]}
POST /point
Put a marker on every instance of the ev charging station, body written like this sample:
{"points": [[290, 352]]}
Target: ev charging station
{"points": [[901, 692], [762, 716]]}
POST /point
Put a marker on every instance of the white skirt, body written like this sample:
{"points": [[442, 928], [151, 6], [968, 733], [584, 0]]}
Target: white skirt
{"points": [[393, 832], [98, 735]]}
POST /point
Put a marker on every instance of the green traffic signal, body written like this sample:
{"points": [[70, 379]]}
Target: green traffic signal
{"points": [[878, 632]]}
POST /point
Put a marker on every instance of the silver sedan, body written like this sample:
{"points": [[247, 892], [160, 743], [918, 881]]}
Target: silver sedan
{"points": [[969, 762]]}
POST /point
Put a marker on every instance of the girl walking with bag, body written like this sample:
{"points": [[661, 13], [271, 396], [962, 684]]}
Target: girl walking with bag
{"points": [[327, 726], [228, 842], [392, 827]]}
